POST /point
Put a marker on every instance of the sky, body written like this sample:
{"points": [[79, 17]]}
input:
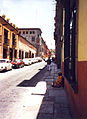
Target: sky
{"points": [[32, 14]]}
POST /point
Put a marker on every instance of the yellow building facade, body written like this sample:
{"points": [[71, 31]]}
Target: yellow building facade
{"points": [[8, 40], [82, 31], [76, 85]]}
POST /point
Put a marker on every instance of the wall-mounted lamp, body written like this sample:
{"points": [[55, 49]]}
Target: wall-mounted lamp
{"points": [[61, 40]]}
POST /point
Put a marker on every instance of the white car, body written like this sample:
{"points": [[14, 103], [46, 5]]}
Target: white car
{"points": [[39, 59], [27, 61], [5, 64], [34, 60]]}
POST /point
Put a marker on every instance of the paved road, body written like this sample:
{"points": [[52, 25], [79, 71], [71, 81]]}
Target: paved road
{"points": [[15, 91], [26, 93]]}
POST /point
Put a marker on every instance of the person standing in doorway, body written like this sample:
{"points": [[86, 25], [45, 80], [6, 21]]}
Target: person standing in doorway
{"points": [[48, 64]]}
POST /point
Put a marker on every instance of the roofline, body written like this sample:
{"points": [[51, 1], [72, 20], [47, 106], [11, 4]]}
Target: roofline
{"points": [[8, 24], [30, 29]]}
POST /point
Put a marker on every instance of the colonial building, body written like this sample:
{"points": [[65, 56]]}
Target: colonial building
{"points": [[42, 48], [47, 52], [44, 51], [8, 39], [74, 63], [13, 45], [25, 48], [33, 35]]}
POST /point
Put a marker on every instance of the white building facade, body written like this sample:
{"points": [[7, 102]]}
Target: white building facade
{"points": [[33, 35]]}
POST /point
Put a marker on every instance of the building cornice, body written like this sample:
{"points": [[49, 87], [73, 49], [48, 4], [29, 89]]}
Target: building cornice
{"points": [[8, 25], [30, 29]]}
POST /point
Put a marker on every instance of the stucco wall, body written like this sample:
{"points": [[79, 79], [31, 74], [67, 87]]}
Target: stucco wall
{"points": [[25, 46], [79, 100], [2, 27], [82, 31]]}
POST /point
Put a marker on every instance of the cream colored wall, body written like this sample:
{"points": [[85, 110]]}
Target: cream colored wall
{"points": [[82, 31], [24, 46]]}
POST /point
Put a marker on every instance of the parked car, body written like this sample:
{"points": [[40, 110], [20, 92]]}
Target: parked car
{"points": [[17, 63], [5, 64], [34, 60], [39, 59], [27, 61]]}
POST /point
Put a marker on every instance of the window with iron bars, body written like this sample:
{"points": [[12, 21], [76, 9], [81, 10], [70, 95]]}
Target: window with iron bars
{"points": [[70, 46]]}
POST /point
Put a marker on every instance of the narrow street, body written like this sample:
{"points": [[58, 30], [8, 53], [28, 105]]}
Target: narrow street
{"points": [[26, 93], [13, 96], [46, 40]]}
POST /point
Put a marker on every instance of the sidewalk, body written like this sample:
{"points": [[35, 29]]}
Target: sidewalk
{"points": [[35, 98], [55, 103]]}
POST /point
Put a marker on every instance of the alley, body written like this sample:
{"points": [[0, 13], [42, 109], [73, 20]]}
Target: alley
{"points": [[28, 94]]}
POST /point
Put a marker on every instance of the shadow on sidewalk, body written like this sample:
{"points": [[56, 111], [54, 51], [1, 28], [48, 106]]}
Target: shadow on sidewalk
{"points": [[34, 80], [47, 102]]}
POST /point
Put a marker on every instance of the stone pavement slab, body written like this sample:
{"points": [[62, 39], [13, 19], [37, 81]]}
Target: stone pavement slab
{"points": [[46, 107], [45, 116], [55, 103]]}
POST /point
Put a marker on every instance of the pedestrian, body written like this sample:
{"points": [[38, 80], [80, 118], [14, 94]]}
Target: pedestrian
{"points": [[59, 81], [48, 64]]}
